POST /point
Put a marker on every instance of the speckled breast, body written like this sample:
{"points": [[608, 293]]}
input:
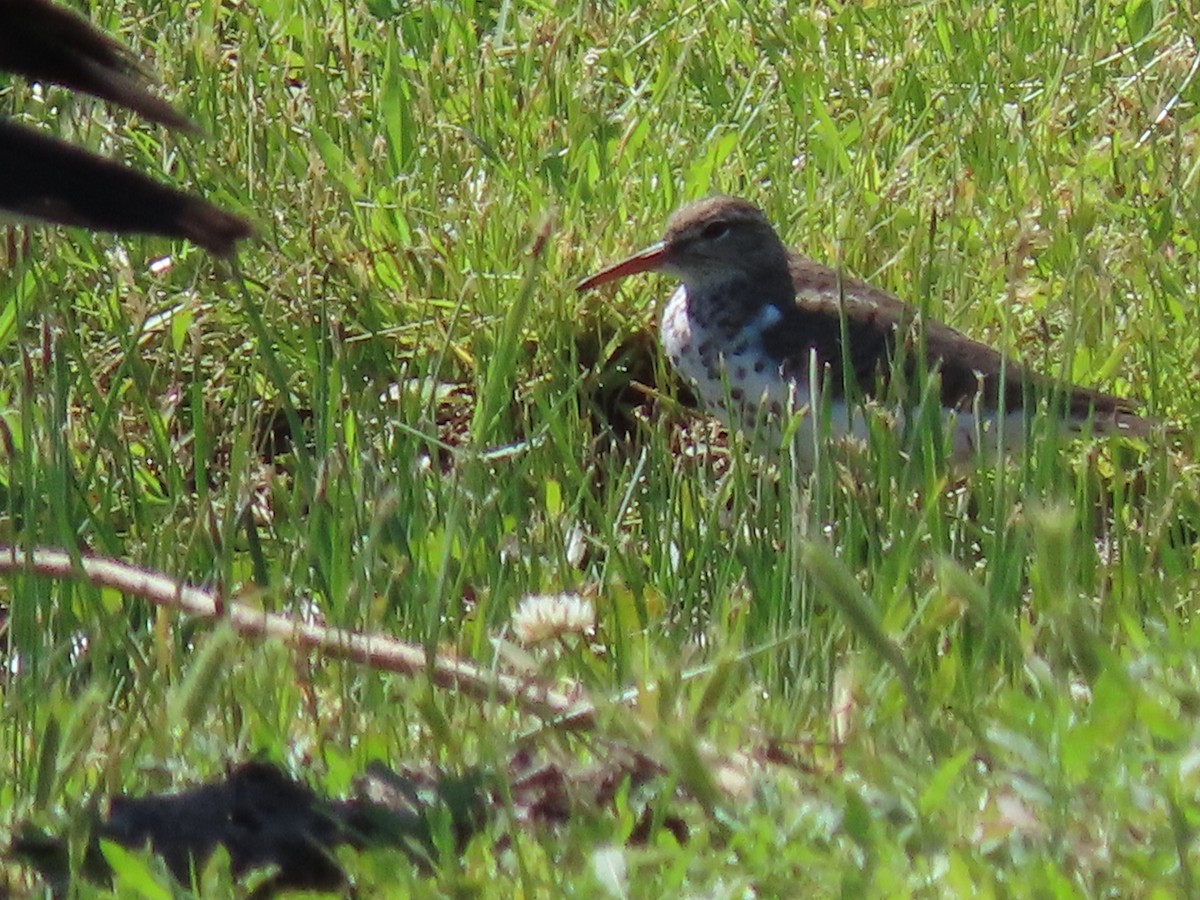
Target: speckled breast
{"points": [[736, 379], [744, 386]]}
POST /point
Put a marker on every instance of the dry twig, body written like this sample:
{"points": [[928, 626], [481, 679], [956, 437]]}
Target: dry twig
{"points": [[571, 711]]}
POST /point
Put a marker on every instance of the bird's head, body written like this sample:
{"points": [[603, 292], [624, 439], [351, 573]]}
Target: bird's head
{"points": [[709, 242]]}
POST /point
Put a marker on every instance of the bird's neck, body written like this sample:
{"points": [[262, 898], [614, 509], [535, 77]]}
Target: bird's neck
{"points": [[734, 299]]}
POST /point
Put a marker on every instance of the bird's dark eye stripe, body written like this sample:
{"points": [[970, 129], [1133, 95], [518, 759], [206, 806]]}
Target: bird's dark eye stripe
{"points": [[714, 230]]}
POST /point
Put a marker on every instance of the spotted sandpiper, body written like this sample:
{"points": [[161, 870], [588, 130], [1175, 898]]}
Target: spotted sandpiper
{"points": [[44, 178], [753, 324]]}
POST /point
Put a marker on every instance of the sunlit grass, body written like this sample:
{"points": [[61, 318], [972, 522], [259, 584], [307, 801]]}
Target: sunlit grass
{"points": [[399, 410]]}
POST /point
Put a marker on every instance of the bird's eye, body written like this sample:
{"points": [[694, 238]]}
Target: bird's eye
{"points": [[714, 230]]}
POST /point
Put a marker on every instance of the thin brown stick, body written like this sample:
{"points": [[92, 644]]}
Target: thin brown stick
{"points": [[378, 651]]}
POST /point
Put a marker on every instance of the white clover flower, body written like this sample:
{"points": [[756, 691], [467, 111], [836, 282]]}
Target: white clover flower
{"points": [[544, 617]]}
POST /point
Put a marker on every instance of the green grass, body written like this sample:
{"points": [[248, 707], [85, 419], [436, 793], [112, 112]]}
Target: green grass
{"points": [[396, 411]]}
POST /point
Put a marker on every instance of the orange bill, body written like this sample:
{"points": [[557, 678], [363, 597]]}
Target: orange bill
{"points": [[647, 260]]}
